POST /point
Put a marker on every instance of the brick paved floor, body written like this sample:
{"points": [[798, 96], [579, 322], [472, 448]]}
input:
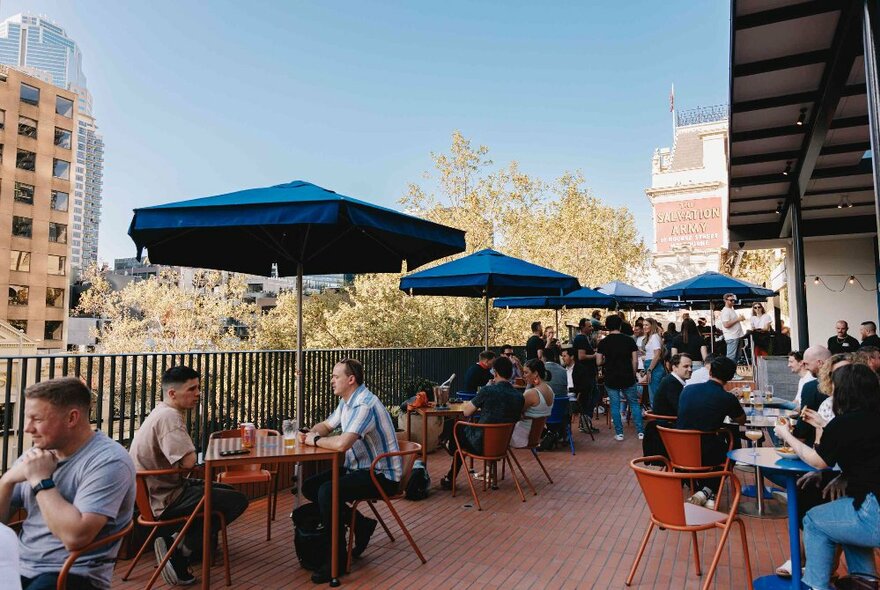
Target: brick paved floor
{"points": [[580, 532]]}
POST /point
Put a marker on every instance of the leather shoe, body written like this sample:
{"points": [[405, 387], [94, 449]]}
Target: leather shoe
{"points": [[362, 533], [322, 576]]}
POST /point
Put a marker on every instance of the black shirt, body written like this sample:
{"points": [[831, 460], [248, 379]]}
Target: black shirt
{"points": [[853, 441], [582, 342], [618, 369], [811, 398], [626, 329], [703, 406], [666, 398], [476, 377], [533, 344], [872, 340], [691, 347], [499, 403], [848, 344]]}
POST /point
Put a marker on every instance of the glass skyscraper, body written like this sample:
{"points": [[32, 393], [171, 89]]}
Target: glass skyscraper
{"points": [[43, 49]]}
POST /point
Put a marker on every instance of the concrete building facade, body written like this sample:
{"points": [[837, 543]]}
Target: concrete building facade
{"points": [[38, 151]]}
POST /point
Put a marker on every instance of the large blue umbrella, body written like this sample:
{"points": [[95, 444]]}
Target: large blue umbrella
{"points": [[488, 274], [709, 286], [627, 296], [579, 298], [298, 226]]}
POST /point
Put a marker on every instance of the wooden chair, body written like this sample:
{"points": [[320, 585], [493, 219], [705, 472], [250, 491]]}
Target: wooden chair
{"points": [[253, 473], [147, 519], [662, 491], [408, 453], [685, 449], [74, 555], [496, 441], [533, 444]]}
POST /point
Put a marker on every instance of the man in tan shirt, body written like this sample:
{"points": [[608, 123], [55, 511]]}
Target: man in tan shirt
{"points": [[162, 442]]}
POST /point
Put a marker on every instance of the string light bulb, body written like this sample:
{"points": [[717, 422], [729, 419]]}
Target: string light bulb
{"points": [[787, 168], [816, 281], [852, 280], [779, 208], [801, 118]]}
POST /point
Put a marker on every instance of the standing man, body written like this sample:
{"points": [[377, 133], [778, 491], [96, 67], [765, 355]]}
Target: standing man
{"points": [[479, 374], [596, 319], [162, 442], [666, 400], [843, 342], [731, 326], [581, 387], [367, 431], [618, 356], [535, 343], [77, 486], [869, 334], [582, 343]]}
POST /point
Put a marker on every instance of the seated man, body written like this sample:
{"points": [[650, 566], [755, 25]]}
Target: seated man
{"points": [[367, 431], [581, 387], [666, 400], [704, 406], [480, 373], [77, 486], [162, 442], [499, 403]]}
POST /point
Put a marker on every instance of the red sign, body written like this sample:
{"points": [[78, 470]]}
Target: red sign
{"points": [[694, 224]]}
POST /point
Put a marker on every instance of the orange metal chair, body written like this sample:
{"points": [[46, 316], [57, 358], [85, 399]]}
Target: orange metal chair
{"points": [[660, 417], [408, 453], [146, 518], [533, 444], [685, 452], [74, 555], [662, 490], [253, 473], [496, 441]]}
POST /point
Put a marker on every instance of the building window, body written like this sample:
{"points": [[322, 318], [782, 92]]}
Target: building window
{"points": [[53, 330], [22, 226], [54, 297], [19, 325], [20, 261], [2, 119], [27, 127], [24, 193], [26, 160], [18, 295], [63, 107], [30, 94], [57, 233], [61, 169], [62, 138], [57, 265], [59, 200]]}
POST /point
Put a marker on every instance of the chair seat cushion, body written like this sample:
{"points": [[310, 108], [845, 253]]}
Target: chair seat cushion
{"points": [[238, 477], [700, 515]]}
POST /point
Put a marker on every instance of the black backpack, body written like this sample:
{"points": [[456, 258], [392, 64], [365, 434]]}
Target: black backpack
{"points": [[310, 539], [419, 482]]}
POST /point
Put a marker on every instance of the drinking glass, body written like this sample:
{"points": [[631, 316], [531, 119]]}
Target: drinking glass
{"points": [[759, 403], [754, 436], [768, 392], [288, 431]]}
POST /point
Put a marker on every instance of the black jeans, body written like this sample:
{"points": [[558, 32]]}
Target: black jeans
{"points": [[224, 499], [468, 445], [353, 485], [50, 582]]}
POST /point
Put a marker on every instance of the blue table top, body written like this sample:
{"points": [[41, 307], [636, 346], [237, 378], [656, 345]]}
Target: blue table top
{"points": [[768, 459]]}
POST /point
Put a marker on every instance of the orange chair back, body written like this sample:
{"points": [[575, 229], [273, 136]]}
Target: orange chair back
{"points": [[536, 431], [142, 491], [685, 447], [409, 452], [496, 437]]}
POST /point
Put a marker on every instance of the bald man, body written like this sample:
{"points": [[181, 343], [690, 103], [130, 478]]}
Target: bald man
{"points": [[811, 397]]}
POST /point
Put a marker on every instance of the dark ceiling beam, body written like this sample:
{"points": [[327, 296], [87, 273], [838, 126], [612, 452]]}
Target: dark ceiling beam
{"points": [[828, 150], [858, 121], [785, 13], [786, 100], [786, 62], [832, 226], [806, 208], [814, 193], [846, 46], [863, 167], [767, 133], [759, 179], [846, 148]]}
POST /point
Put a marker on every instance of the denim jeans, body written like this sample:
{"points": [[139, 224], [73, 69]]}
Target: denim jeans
{"points": [[631, 394], [656, 377], [732, 348], [839, 523]]}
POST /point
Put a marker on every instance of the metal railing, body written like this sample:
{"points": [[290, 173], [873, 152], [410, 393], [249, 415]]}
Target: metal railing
{"points": [[701, 115], [239, 386]]}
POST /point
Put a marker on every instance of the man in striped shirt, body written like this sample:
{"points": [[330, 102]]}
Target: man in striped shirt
{"points": [[366, 432]]}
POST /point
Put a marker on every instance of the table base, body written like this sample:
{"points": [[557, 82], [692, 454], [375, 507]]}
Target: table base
{"points": [[775, 582], [749, 491], [772, 510]]}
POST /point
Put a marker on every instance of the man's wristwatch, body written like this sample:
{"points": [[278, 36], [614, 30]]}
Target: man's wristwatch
{"points": [[46, 484]]}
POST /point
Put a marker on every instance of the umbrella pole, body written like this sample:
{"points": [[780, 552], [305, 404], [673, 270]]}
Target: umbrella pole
{"points": [[557, 323], [486, 340], [712, 325], [298, 372]]}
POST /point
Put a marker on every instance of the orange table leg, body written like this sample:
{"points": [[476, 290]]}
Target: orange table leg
{"points": [[425, 438], [206, 530], [334, 534]]}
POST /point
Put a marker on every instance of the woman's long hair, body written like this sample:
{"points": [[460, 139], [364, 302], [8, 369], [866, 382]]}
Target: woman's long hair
{"points": [[537, 366], [826, 371], [689, 330], [856, 388]]}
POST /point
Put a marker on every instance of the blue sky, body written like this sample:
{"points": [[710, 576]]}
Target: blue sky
{"points": [[197, 98]]}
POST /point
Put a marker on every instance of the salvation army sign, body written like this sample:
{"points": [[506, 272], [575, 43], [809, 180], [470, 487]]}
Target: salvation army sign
{"points": [[694, 224]]}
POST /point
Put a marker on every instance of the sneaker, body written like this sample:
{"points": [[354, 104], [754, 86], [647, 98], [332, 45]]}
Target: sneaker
{"points": [[699, 499], [641, 436], [710, 503], [446, 483], [176, 570], [618, 437], [784, 570], [362, 533]]}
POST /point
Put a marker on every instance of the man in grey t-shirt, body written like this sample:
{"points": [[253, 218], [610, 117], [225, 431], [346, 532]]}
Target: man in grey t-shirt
{"points": [[76, 485]]}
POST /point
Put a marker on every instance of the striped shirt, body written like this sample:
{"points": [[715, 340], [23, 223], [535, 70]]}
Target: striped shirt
{"points": [[364, 415]]}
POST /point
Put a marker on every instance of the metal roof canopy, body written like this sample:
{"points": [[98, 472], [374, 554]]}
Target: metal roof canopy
{"points": [[794, 61]]}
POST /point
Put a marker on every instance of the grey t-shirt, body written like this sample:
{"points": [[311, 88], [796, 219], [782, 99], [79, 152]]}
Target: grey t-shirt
{"points": [[557, 378], [98, 478]]}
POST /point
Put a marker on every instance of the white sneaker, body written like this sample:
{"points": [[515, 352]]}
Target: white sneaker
{"points": [[710, 503], [618, 437], [784, 570], [699, 499], [641, 436]]}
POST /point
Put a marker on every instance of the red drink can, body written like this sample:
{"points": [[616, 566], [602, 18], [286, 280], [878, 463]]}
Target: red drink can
{"points": [[248, 435]]}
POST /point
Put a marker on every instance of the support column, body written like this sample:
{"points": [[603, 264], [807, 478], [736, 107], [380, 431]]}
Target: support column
{"points": [[870, 28], [798, 290]]}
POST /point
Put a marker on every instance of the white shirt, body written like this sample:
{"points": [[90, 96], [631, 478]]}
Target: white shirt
{"points": [[761, 322], [825, 410], [568, 373], [654, 343], [640, 344], [701, 375], [803, 381], [735, 331]]}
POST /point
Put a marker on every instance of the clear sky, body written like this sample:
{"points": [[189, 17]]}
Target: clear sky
{"points": [[199, 98]]}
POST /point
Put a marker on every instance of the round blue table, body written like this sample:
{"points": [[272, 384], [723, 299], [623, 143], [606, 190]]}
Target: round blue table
{"points": [[791, 469]]}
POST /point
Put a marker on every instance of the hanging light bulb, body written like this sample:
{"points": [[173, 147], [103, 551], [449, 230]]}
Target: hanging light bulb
{"points": [[840, 203], [801, 118], [779, 208], [816, 281], [852, 280], [787, 168], [847, 201]]}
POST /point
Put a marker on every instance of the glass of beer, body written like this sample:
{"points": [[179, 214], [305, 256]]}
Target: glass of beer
{"points": [[754, 435], [768, 392], [288, 431]]}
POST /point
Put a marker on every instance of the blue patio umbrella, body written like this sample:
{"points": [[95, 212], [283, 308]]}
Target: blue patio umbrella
{"points": [[628, 297], [488, 274], [579, 298], [296, 227]]}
